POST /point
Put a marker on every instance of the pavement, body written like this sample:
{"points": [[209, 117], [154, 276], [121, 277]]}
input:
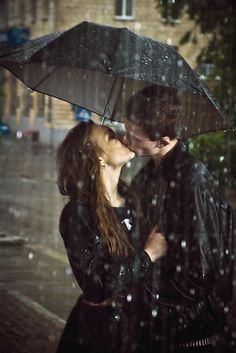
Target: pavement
{"points": [[37, 289]]}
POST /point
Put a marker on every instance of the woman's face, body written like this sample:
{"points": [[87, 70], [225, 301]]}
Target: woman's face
{"points": [[112, 151]]}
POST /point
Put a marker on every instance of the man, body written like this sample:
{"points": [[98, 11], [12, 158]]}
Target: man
{"points": [[189, 295]]}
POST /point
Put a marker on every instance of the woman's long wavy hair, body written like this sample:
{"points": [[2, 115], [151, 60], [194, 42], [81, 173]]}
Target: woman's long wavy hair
{"points": [[79, 176]]}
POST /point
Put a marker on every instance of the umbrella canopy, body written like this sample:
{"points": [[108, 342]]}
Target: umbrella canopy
{"points": [[99, 67]]}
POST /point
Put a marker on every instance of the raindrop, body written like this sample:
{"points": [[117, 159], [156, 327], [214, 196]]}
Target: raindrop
{"points": [[154, 313], [183, 243], [19, 135], [172, 184], [192, 291], [178, 268], [68, 271], [154, 201], [191, 145], [221, 158], [226, 309], [179, 174], [128, 165], [30, 256], [171, 236], [106, 266], [129, 297]]}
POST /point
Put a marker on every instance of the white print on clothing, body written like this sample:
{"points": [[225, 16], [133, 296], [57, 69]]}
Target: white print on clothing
{"points": [[127, 223]]}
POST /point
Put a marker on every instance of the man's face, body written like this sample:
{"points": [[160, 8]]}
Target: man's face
{"points": [[136, 139]]}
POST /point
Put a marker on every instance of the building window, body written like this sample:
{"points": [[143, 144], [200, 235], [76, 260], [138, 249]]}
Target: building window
{"points": [[124, 9], [170, 11]]}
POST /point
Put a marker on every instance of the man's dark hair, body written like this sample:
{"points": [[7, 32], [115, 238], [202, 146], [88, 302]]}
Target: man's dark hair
{"points": [[157, 110]]}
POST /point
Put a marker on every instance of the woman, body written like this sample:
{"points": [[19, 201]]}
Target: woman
{"points": [[96, 226]]}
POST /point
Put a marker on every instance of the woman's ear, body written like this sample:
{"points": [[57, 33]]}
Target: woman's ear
{"points": [[102, 162]]}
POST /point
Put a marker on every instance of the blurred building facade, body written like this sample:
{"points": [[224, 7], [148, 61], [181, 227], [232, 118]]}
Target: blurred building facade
{"points": [[23, 109]]}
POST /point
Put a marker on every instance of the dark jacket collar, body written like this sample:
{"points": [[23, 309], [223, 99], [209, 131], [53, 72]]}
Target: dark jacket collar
{"points": [[170, 162]]}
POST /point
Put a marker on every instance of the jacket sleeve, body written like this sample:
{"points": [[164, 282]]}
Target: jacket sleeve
{"points": [[97, 273], [200, 270]]}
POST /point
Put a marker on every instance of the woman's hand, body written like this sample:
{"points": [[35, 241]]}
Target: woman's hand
{"points": [[156, 245]]}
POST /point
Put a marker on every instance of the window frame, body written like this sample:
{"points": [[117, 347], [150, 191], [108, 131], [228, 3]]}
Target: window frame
{"points": [[123, 16]]}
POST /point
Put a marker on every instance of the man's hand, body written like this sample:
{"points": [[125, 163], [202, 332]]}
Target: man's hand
{"points": [[156, 245]]}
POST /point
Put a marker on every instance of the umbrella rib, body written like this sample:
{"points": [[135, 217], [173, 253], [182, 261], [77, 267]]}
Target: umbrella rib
{"points": [[44, 78], [103, 115]]}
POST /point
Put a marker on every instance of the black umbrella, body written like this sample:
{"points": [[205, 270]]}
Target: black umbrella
{"points": [[99, 67]]}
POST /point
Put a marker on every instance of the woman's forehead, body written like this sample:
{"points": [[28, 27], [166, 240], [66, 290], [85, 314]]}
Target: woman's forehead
{"points": [[98, 132]]}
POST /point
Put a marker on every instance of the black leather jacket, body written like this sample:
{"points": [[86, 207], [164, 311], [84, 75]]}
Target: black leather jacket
{"points": [[98, 274], [191, 286]]}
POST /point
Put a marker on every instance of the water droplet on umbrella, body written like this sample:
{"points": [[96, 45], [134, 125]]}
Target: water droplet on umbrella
{"points": [[180, 63]]}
